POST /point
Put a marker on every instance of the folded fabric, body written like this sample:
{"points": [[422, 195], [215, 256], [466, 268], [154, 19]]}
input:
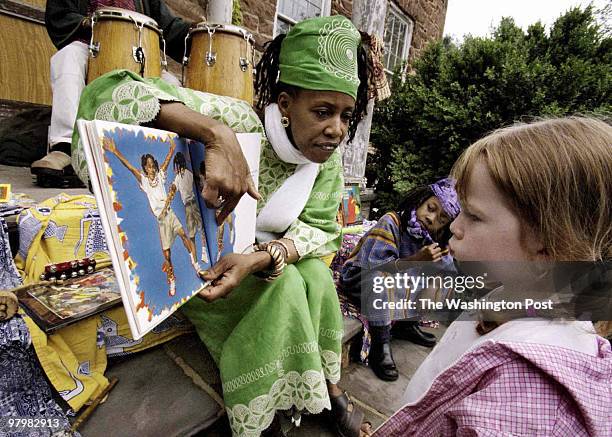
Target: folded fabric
{"points": [[9, 276], [24, 391]]}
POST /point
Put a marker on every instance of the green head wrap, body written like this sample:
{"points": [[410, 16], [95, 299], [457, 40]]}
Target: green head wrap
{"points": [[321, 54]]}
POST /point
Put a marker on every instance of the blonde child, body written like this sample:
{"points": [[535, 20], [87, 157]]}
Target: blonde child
{"points": [[529, 193]]}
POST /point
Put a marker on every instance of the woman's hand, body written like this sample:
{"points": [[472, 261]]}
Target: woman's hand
{"points": [[227, 172], [229, 272]]}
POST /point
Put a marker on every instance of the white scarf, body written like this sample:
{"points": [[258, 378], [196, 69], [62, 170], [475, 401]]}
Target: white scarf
{"points": [[286, 203]]}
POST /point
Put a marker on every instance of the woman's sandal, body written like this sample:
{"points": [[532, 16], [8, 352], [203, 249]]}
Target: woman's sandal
{"points": [[347, 418]]}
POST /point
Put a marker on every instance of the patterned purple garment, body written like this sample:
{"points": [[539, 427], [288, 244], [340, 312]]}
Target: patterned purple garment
{"points": [[349, 309], [514, 389]]}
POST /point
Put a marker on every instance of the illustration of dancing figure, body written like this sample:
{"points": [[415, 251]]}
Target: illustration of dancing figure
{"points": [[152, 181]]}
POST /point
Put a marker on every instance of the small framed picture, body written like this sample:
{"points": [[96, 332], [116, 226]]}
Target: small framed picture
{"points": [[5, 192]]}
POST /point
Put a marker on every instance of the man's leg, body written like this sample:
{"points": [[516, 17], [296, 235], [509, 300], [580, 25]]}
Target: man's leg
{"points": [[68, 74]]}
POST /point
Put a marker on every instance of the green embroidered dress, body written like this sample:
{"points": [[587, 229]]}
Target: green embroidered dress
{"points": [[275, 343]]}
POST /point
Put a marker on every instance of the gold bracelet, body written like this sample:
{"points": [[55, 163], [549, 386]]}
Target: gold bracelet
{"points": [[283, 246], [279, 260]]}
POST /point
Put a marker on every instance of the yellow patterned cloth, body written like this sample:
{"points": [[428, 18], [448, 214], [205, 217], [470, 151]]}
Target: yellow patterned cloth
{"points": [[60, 229]]}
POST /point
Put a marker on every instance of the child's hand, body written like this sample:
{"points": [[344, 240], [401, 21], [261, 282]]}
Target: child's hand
{"points": [[433, 252]]}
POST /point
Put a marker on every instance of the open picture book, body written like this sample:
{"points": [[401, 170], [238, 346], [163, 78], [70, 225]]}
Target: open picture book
{"points": [[53, 306], [148, 185]]}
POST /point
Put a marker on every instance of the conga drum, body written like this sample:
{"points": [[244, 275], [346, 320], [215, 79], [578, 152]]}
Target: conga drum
{"points": [[124, 39], [220, 60]]}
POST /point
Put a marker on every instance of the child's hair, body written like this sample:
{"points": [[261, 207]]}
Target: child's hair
{"points": [[179, 162], [413, 200], [557, 176], [203, 168], [268, 88], [143, 162]]}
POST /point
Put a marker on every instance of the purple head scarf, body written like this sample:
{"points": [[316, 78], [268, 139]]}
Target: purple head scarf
{"points": [[444, 190]]}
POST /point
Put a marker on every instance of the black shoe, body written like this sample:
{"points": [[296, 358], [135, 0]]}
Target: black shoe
{"points": [[382, 363], [399, 326], [55, 171], [410, 331]]}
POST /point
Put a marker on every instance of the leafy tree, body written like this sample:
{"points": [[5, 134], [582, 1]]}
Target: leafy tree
{"points": [[457, 93]]}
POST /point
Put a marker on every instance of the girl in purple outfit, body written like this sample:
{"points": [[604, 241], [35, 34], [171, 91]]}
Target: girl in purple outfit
{"points": [[417, 231]]}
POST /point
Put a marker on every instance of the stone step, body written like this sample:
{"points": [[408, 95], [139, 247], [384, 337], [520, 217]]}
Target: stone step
{"points": [[160, 393], [172, 390]]}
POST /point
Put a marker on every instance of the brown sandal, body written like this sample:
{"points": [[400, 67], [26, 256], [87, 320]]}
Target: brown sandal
{"points": [[347, 418]]}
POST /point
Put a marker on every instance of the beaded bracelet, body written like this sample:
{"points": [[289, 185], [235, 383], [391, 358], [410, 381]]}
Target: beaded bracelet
{"points": [[279, 253]]}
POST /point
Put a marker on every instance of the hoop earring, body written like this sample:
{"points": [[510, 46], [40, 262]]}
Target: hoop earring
{"points": [[284, 122]]}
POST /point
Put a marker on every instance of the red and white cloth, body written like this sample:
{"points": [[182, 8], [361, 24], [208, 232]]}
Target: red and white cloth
{"points": [[498, 387]]}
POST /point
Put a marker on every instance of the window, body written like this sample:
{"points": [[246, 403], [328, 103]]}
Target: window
{"points": [[398, 35], [289, 12]]}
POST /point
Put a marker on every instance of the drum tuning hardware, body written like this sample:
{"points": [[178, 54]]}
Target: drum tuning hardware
{"points": [[138, 52], [243, 60], [94, 47], [244, 63], [185, 58], [211, 57], [164, 61]]}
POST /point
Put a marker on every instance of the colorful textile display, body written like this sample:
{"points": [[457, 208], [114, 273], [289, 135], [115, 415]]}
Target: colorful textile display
{"points": [[74, 358]]}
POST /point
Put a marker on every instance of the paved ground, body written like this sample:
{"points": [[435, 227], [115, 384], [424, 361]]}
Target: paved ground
{"points": [[23, 182], [378, 399]]}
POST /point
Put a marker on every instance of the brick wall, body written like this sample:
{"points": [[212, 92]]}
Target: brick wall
{"points": [[428, 17], [342, 7], [192, 10], [258, 17]]}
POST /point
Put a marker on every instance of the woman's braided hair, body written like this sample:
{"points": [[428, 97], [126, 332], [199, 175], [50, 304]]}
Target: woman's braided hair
{"points": [[268, 88]]}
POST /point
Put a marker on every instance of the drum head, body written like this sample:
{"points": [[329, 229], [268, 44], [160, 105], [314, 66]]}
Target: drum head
{"points": [[223, 28], [110, 13]]}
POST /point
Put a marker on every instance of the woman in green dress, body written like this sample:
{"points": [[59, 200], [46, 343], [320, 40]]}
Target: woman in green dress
{"points": [[276, 333]]}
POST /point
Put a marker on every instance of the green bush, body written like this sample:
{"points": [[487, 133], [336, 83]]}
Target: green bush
{"points": [[457, 93]]}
